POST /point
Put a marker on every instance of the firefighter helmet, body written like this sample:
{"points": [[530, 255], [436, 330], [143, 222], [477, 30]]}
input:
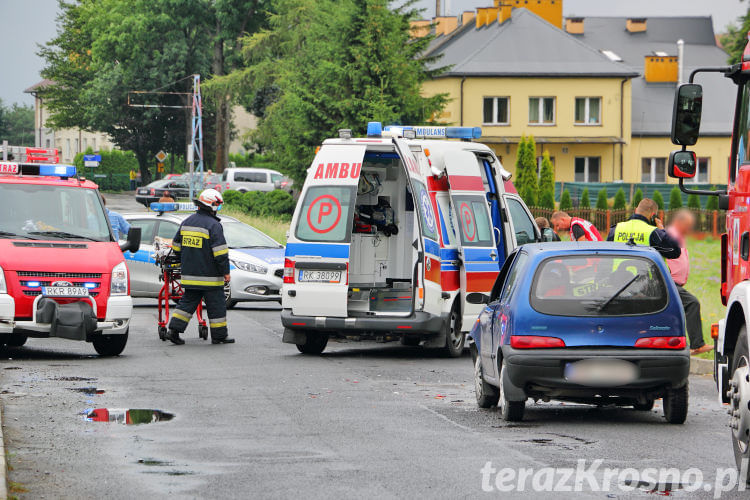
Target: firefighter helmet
{"points": [[211, 199]]}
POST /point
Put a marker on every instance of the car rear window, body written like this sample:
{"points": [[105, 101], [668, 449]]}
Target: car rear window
{"points": [[326, 214], [598, 285]]}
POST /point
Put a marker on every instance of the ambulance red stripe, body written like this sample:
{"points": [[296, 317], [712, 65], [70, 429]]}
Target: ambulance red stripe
{"points": [[466, 183]]}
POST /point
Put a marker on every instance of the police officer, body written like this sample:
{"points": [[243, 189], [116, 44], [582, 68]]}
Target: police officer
{"points": [[644, 228], [205, 269]]}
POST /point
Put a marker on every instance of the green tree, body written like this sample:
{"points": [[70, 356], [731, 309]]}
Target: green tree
{"points": [[659, 199], [735, 40], [637, 197], [547, 183], [601, 200], [527, 184], [712, 203], [693, 202], [675, 198], [585, 201], [620, 201], [17, 124], [565, 202]]}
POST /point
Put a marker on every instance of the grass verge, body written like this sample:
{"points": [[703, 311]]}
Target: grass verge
{"points": [[704, 282], [275, 227]]}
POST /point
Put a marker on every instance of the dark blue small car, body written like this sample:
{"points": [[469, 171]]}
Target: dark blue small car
{"points": [[594, 323]]}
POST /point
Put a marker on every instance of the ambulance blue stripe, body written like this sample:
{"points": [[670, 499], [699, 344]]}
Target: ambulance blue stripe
{"points": [[448, 254], [478, 254], [448, 267], [333, 251], [481, 267], [431, 247]]}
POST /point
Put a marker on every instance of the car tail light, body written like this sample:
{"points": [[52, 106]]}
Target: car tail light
{"points": [[288, 271], [715, 331], [153, 191], [534, 342], [661, 343], [227, 185]]}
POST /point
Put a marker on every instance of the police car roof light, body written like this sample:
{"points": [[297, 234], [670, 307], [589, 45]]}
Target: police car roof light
{"points": [[374, 129], [172, 207]]}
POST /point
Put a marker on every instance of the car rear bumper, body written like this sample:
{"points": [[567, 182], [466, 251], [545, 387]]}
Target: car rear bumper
{"points": [[537, 369], [419, 323]]}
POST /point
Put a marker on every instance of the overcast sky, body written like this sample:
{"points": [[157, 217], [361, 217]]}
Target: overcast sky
{"points": [[27, 23]]}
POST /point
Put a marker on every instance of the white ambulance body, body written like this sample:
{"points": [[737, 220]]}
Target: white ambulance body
{"points": [[391, 233]]}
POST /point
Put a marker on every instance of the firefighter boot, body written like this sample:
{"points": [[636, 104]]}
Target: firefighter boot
{"points": [[174, 337]]}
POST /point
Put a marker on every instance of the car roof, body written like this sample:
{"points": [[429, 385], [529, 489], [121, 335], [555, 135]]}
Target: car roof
{"points": [[551, 249], [171, 216], [252, 169]]}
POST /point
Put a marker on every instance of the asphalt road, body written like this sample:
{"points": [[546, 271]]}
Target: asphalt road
{"points": [[258, 419]]}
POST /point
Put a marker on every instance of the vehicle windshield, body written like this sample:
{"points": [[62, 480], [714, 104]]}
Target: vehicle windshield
{"points": [[596, 285], [239, 235], [36, 211]]}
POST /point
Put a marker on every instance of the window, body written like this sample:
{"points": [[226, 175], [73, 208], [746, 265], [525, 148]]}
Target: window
{"points": [[496, 111], [587, 169], [93, 143], [539, 164], [47, 144], [654, 170], [75, 141], [514, 276], [594, 285], [326, 214], [429, 224], [542, 110], [702, 171], [167, 230], [276, 177], [250, 177], [523, 226], [147, 229], [67, 149], [85, 143], [588, 111], [474, 222]]}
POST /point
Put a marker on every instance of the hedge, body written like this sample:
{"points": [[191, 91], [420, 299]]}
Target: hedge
{"points": [[274, 203]]}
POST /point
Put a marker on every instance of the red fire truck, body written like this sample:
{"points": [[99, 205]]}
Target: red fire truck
{"points": [[732, 362]]}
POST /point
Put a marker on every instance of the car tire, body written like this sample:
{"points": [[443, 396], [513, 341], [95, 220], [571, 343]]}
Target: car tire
{"points": [[647, 406], [487, 395], [454, 337], [315, 344], [231, 304], [410, 341], [511, 411], [676, 405], [110, 345], [739, 401], [15, 340]]}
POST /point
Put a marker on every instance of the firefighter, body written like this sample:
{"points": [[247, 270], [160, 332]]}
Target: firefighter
{"points": [[204, 258], [580, 229], [644, 228]]}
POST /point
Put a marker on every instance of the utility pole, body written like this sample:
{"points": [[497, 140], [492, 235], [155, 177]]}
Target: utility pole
{"points": [[438, 10]]}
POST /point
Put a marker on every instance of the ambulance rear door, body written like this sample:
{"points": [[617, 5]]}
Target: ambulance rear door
{"points": [[478, 251], [318, 246]]}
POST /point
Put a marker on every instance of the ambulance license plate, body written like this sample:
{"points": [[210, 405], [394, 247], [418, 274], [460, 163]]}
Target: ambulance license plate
{"points": [[65, 291], [319, 276]]}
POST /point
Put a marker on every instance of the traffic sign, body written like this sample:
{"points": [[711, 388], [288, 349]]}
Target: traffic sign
{"points": [[161, 156], [91, 160]]}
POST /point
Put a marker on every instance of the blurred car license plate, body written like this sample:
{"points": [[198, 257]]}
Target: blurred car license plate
{"points": [[320, 276], [65, 291], [601, 372]]}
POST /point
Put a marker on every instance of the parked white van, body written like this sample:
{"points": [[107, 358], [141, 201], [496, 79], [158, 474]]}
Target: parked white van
{"points": [[250, 179]]}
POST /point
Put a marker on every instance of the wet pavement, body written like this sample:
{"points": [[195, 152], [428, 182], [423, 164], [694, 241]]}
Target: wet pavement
{"points": [[258, 419]]}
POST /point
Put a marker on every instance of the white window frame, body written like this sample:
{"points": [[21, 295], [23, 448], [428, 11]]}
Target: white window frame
{"points": [[494, 110], [652, 176], [539, 159], [586, 108], [586, 168], [696, 180], [541, 123]]}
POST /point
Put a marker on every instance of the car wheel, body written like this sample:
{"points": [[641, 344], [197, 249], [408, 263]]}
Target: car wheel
{"points": [[487, 395], [231, 304], [454, 337], [511, 411], [228, 297], [676, 405], [110, 345], [410, 341], [739, 402], [315, 344], [16, 340], [647, 406]]}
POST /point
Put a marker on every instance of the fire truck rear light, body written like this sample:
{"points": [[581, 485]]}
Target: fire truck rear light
{"points": [[288, 271], [661, 343], [534, 342], [715, 331]]}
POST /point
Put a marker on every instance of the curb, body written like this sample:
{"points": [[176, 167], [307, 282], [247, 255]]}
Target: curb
{"points": [[3, 464], [700, 366]]}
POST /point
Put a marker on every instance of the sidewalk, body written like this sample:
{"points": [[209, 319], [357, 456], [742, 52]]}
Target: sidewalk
{"points": [[3, 465]]}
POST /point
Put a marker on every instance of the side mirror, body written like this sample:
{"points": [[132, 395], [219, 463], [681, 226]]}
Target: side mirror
{"points": [[133, 243], [682, 164], [477, 298], [686, 114]]}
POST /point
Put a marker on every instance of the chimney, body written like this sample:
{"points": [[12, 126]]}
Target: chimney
{"points": [[680, 61], [636, 25], [420, 28], [445, 25], [574, 25], [661, 69], [486, 16], [467, 17], [549, 10]]}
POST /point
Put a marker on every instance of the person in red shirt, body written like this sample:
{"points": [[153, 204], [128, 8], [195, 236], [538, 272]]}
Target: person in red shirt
{"points": [[580, 229]]}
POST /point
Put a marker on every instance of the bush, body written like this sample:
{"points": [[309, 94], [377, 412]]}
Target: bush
{"points": [[274, 203], [547, 200], [565, 203], [585, 201], [637, 197], [659, 200], [693, 202], [547, 183], [620, 201], [601, 200], [675, 198], [712, 203], [115, 166]]}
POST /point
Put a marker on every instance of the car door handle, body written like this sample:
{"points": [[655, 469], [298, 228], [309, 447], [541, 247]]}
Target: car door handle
{"points": [[493, 255]]}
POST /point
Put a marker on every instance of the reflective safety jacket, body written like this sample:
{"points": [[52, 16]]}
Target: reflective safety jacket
{"points": [[643, 233], [203, 251]]}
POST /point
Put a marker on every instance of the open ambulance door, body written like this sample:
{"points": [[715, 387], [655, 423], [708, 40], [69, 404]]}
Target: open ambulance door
{"points": [[318, 246], [478, 251]]}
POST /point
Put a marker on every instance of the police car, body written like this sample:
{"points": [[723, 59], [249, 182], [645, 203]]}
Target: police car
{"points": [[256, 259], [391, 232]]}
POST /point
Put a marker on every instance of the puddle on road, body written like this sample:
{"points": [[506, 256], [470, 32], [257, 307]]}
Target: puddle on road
{"points": [[89, 391], [73, 379], [155, 463], [156, 467], [127, 416], [12, 368], [660, 489]]}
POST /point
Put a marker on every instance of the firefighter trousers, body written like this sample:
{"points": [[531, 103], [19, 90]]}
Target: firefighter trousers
{"points": [[216, 308]]}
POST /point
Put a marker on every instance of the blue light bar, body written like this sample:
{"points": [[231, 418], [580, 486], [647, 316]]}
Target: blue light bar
{"points": [[57, 170], [437, 132], [33, 284], [90, 285], [164, 207], [463, 132], [374, 129]]}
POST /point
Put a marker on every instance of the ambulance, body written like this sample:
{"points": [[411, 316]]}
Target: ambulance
{"points": [[62, 273], [390, 234]]}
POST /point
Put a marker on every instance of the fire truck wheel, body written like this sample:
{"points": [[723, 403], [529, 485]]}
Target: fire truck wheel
{"points": [[676, 405], [110, 345], [454, 337], [739, 402], [315, 344], [16, 340], [487, 395]]}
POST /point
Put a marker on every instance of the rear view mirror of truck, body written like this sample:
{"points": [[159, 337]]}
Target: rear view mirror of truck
{"points": [[686, 114], [682, 164], [133, 243]]}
